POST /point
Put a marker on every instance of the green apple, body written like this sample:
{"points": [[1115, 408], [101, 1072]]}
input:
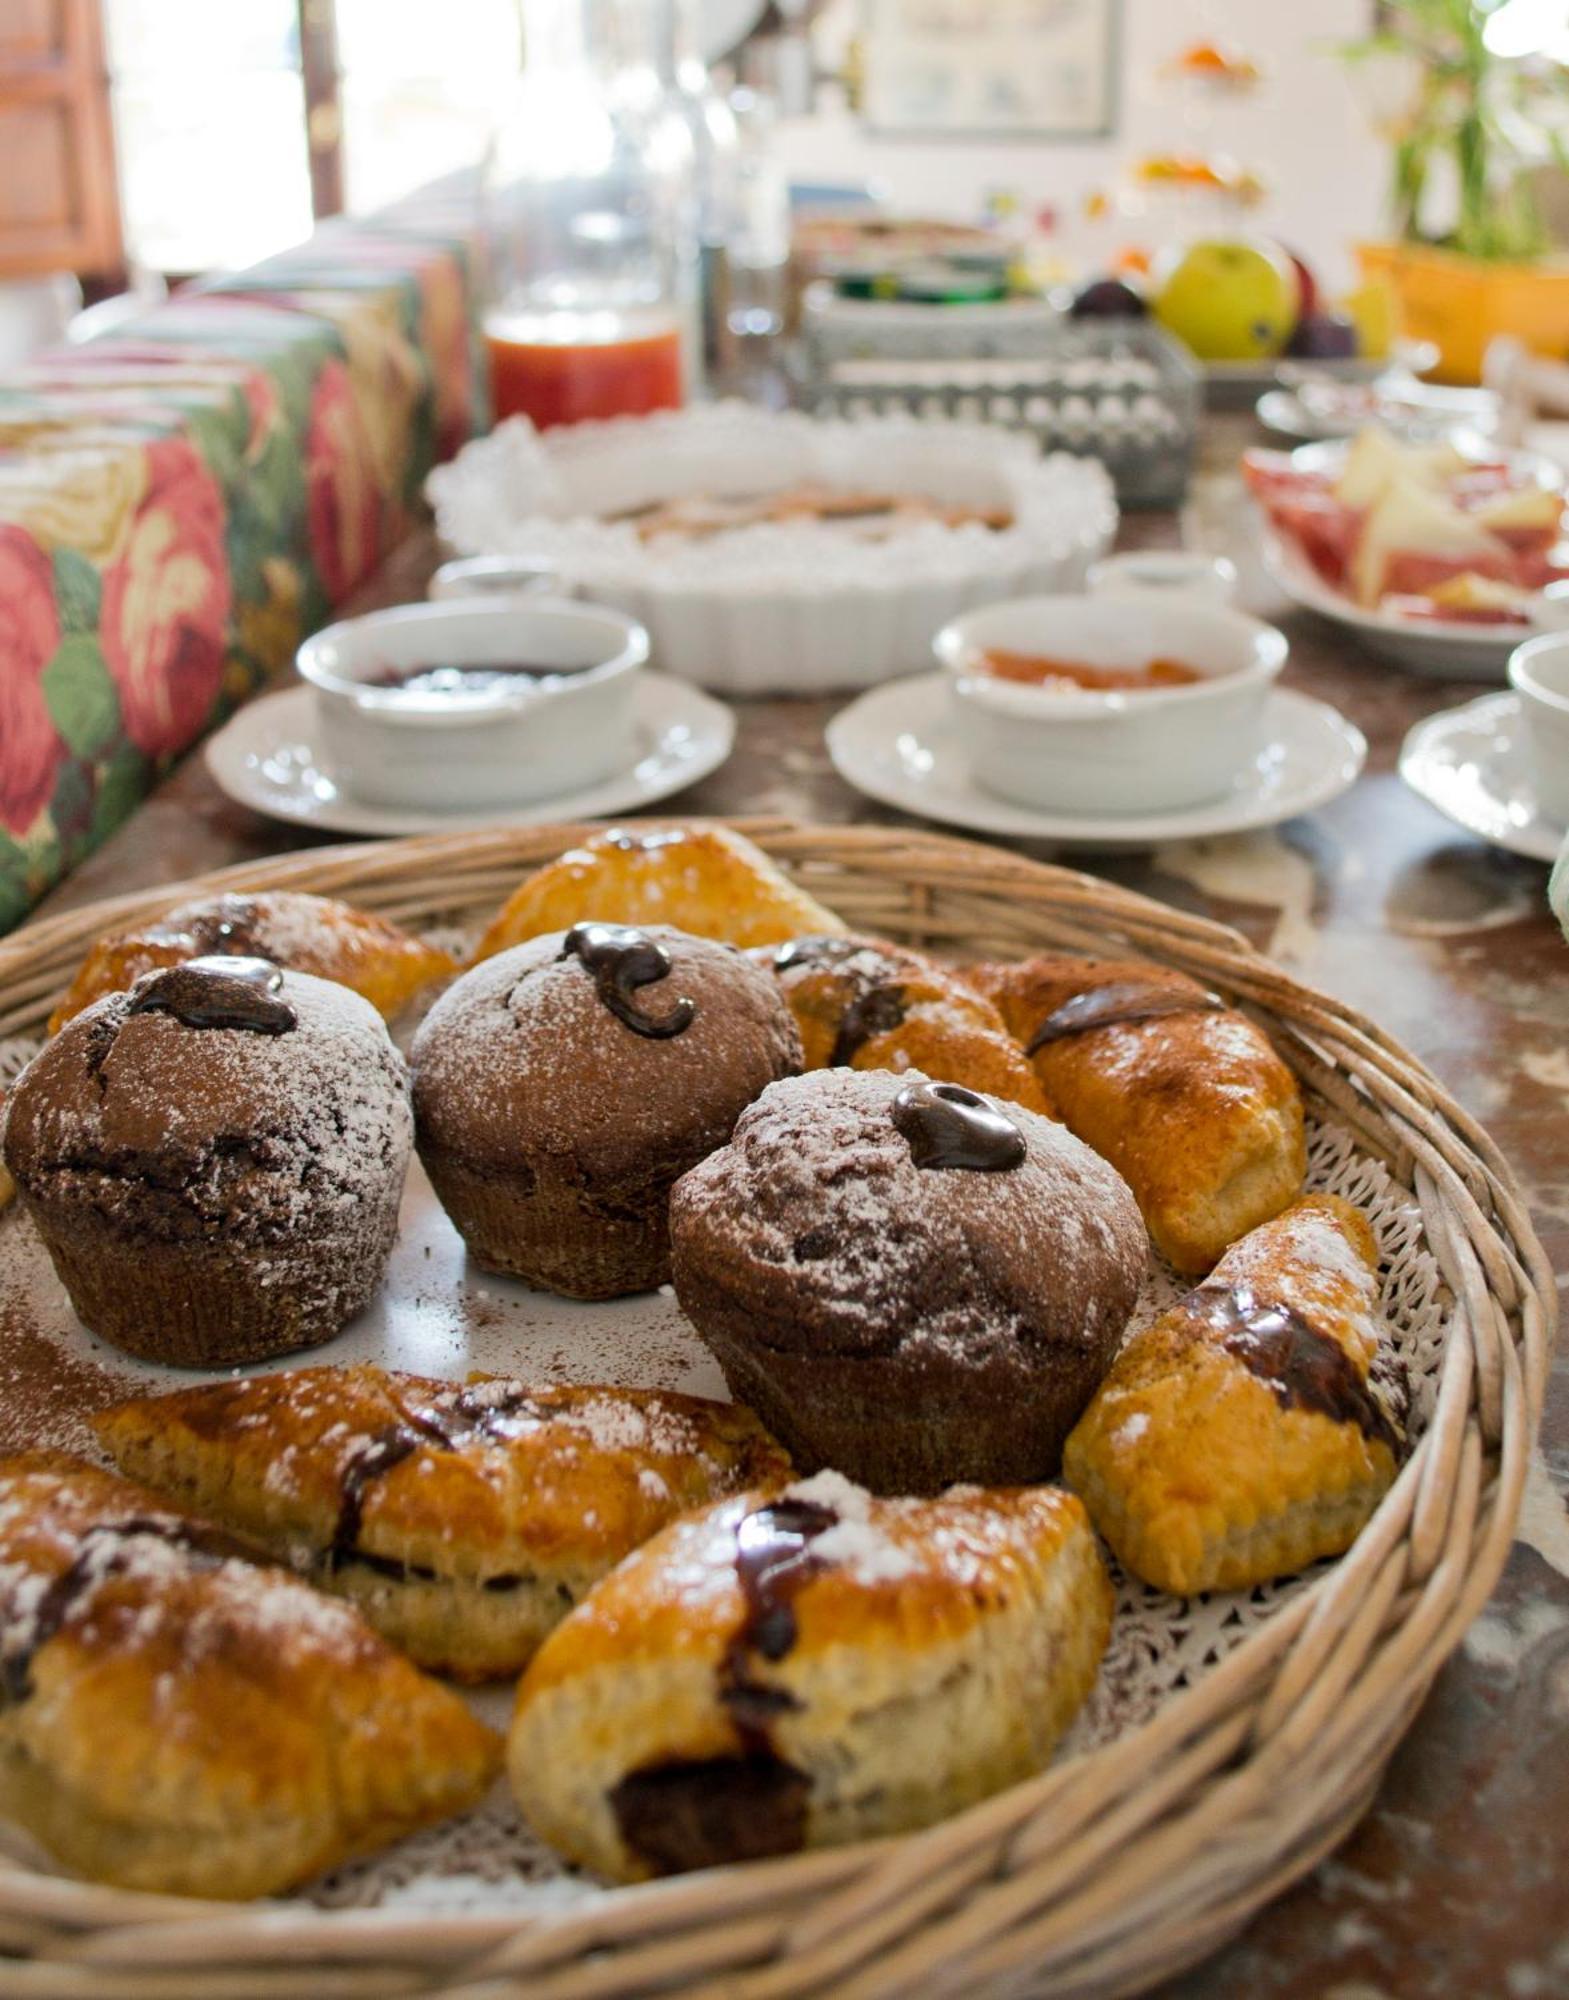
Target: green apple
{"points": [[1229, 301]]}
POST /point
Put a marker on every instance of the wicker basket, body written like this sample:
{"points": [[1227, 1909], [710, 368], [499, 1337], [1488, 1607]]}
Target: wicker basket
{"points": [[1107, 1871]]}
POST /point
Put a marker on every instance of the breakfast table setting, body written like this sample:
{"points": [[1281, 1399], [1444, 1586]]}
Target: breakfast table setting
{"points": [[782, 1190], [1447, 941]]}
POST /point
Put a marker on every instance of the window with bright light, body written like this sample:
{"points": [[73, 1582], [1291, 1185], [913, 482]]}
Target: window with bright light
{"points": [[209, 114]]}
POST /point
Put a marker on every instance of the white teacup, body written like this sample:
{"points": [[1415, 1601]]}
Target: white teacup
{"points": [[1539, 674]]}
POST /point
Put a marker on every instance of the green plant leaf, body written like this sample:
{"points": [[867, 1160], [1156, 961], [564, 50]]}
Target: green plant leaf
{"points": [[78, 591], [82, 699]]}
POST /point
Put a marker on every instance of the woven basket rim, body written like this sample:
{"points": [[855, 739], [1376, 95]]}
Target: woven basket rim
{"points": [[1297, 1721]]}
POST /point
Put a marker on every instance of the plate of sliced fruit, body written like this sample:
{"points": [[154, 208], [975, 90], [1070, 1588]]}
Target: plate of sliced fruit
{"points": [[1435, 555]]}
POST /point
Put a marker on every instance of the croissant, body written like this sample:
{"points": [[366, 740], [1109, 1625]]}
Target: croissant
{"points": [[866, 1004], [1256, 1425], [703, 879], [175, 1718], [1184, 1095], [818, 1666], [383, 963], [464, 1520]]}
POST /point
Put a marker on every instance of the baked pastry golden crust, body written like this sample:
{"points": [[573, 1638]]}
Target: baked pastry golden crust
{"points": [[176, 1718], [868, 1004], [383, 963], [465, 1520], [703, 879], [822, 1667], [906, 1310], [1182, 1094], [1256, 1425]]}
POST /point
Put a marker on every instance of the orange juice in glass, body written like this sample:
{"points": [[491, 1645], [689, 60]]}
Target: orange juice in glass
{"points": [[566, 367]]}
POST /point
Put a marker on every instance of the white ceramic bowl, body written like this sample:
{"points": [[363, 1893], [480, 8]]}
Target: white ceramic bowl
{"points": [[541, 738], [1166, 573], [1539, 674], [1149, 751], [778, 607]]}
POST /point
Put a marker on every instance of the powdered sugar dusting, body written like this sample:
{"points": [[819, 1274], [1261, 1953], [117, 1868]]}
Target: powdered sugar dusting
{"points": [[439, 1316]]}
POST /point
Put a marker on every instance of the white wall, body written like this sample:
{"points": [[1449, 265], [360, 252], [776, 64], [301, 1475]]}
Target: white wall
{"points": [[1301, 130]]}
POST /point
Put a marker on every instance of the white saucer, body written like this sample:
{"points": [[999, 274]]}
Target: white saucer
{"points": [[1470, 763], [896, 745], [264, 759]]}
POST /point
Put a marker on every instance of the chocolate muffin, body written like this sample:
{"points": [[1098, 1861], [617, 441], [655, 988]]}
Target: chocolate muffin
{"points": [[563, 1087], [214, 1160], [909, 1282]]}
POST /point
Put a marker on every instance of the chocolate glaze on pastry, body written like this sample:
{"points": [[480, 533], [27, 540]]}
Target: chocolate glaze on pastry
{"points": [[556, 1110], [1255, 1425], [951, 1127], [622, 959], [1305, 1367], [1186, 1098], [863, 1003], [901, 1659], [1118, 1001], [465, 1520], [214, 1160], [301, 933], [177, 1717], [219, 993], [907, 1326]]}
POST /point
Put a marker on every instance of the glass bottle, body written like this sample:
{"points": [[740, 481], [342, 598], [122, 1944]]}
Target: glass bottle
{"points": [[716, 148], [589, 223]]}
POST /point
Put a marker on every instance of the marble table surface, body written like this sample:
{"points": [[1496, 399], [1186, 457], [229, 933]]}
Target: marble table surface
{"points": [[1455, 1884]]}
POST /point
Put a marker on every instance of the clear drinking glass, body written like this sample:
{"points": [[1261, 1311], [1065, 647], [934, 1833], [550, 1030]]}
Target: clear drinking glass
{"points": [[590, 222]]}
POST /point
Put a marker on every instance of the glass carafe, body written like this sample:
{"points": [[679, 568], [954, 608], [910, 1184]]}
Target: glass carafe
{"points": [[590, 223]]}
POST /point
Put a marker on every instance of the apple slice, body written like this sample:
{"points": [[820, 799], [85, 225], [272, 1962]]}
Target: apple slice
{"points": [[1376, 461], [1530, 516], [1409, 519]]}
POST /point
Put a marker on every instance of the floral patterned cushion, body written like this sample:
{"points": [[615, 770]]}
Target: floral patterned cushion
{"points": [[182, 501]]}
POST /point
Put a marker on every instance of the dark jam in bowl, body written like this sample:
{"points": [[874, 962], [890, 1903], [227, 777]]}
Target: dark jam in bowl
{"points": [[463, 683]]}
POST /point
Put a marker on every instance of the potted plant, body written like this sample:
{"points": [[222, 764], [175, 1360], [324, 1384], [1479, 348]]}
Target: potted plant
{"points": [[1470, 126]]}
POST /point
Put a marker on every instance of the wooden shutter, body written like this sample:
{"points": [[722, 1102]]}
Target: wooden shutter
{"points": [[59, 202]]}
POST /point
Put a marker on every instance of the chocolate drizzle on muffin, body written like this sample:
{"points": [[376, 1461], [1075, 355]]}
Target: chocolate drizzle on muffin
{"points": [[949, 1126], [1303, 1366], [623, 959], [1121, 1001], [218, 993]]}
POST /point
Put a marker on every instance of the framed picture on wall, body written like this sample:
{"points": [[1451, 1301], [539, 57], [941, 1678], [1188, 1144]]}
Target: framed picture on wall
{"points": [[991, 69]]}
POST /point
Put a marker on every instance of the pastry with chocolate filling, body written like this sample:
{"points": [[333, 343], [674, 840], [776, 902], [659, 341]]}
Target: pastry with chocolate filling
{"points": [[176, 1718], [464, 1519], [1256, 1425], [703, 879], [806, 1669], [1183, 1094], [315, 934], [908, 1281], [563, 1087], [866, 1004], [214, 1160]]}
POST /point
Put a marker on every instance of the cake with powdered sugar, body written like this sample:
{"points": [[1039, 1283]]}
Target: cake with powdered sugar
{"points": [[214, 1160], [908, 1281]]}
